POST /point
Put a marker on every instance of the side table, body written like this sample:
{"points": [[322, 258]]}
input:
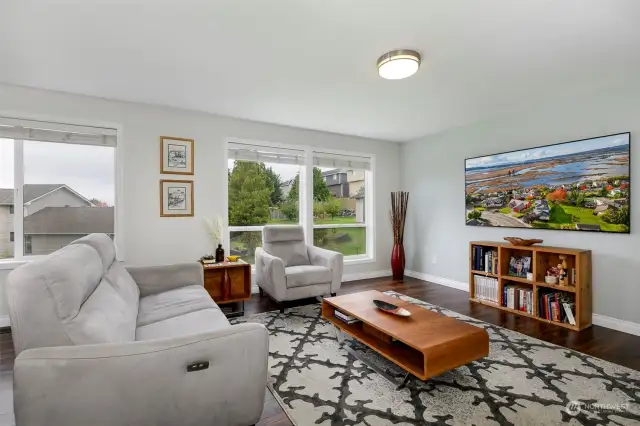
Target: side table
{"points": [[228, 283]]}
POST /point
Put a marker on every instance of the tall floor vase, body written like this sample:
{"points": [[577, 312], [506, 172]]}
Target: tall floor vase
{"points": [[397, 262]]}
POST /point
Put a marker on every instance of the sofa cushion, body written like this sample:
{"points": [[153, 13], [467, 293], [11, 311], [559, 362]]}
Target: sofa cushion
{"points": [[304, 275], [105, 317], [103, 244], [173, 303], [196, 322]]}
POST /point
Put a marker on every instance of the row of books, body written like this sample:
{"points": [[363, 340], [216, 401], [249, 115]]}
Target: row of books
{"points": [[556, 306], [518, 298], [485, 259], [486, 288]]}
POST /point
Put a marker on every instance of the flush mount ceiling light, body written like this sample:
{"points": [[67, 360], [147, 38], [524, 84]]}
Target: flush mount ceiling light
{"points": [[398, 64]]}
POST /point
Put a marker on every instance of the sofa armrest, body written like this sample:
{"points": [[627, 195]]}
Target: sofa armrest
{"points": [[270, 274], [332, 260], [158, 279], [146, 382]]}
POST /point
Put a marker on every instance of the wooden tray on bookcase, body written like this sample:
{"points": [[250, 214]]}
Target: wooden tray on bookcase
{"points": [[579, 259]]}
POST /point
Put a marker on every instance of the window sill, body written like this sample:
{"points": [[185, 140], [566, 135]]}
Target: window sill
{"points": [[357, 260], [9, 264]]}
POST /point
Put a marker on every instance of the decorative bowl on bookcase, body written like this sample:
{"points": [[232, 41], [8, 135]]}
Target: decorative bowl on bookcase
{"points": [[516, 241]]}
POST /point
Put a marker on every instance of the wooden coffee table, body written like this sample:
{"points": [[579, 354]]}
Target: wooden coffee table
{"points": [[425, 344]]}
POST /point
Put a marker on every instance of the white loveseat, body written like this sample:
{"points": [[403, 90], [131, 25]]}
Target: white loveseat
{"points": [[98, 343]]}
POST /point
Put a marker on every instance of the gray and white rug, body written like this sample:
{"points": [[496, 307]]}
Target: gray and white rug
{"points": [[523, 381]]}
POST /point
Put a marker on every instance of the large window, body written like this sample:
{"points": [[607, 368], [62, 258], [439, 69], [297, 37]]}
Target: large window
{"points": [[263, 188], [340, 208], [269, 185], [57, 184]]}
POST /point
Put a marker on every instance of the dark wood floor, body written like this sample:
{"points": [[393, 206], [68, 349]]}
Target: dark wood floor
{"points": [[610, 345]]}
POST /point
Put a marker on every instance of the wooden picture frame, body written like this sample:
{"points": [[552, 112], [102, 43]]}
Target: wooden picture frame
{"points": [[176, 155], [176, 198]]}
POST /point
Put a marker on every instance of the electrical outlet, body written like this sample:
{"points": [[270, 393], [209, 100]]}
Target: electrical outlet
{"points": [[434, 259]]}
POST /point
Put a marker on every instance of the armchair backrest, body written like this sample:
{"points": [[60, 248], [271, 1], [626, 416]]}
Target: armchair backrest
{"points": [[287, 243]]}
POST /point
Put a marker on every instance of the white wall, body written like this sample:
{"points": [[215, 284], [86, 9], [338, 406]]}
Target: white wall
{"points": [[151, 239], [433, 172]]}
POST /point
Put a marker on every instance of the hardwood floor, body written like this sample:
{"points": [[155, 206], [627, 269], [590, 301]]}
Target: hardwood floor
{"points": [[600, 342]]}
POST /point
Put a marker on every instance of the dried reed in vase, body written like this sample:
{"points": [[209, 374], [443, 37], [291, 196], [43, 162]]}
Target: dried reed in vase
{"points": [[398, 215]]}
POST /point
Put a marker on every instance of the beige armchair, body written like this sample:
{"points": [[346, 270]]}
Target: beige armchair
{"points": [[288, 269]]}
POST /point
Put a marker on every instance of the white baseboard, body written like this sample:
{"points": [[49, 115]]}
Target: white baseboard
{"points": [[4, 321], [596, 319], [459, 285], [616, 324], [366, 275]]}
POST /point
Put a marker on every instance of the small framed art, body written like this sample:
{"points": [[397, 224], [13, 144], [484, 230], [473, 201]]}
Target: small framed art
{"points": [[176, 155], [176, 198]]}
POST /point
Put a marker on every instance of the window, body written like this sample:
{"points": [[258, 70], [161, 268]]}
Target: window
{"points": [[263, 188], [269, 186], [11, 236], [62, 180], [340, 204]]}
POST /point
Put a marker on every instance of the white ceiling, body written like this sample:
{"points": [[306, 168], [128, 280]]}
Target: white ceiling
{"points": [[311, 63]]}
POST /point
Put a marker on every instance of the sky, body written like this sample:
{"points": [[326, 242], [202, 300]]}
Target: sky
{"points": [[548, 151], [88, 170]]}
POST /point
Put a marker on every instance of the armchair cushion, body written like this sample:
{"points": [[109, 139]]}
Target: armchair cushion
{"points": [[172, 303], [304, 275], [287, 243]]}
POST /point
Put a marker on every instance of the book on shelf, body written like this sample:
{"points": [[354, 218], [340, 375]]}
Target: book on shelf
{"points": [[557, 306], [485, 288], [518, 298], [345, 318], [485, 259]]}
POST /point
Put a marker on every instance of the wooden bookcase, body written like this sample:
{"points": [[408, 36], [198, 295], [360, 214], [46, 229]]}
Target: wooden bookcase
{"points": [[541, 258]]}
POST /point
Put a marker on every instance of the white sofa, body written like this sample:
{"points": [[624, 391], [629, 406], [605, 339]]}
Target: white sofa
{"points": [[98, 343]]}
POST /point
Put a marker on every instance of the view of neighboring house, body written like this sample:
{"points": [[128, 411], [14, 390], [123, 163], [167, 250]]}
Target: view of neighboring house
{"points": [[337, 182], [356, 181], [54, 215]]}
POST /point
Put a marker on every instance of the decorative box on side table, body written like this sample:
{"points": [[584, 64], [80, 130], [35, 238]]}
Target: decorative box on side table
{"points": [[228, 283]]}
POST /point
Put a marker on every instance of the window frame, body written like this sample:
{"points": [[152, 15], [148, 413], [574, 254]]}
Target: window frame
{"points": [[305, 199], [369, 182], [19, 258], [255, 228]]}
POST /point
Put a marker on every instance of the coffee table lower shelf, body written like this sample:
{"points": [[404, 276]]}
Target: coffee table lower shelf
{"points": [[406, 357]]}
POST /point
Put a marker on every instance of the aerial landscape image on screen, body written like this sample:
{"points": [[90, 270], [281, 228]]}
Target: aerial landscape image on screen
{"points": [[579, 186]]}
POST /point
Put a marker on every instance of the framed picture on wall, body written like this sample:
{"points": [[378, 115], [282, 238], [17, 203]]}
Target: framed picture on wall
{"points": [[176, 155], [176, 198]]}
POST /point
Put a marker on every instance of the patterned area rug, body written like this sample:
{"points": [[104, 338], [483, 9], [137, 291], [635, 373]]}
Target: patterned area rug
{"points": [[523, 381]]}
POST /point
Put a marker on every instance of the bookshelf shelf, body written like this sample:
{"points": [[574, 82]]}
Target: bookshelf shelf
{"points": [[486, 274], [517, 279], [568, 289], [578, 262]]}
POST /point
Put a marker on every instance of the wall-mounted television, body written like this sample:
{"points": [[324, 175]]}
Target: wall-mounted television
{"points": [[581, 185]]}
